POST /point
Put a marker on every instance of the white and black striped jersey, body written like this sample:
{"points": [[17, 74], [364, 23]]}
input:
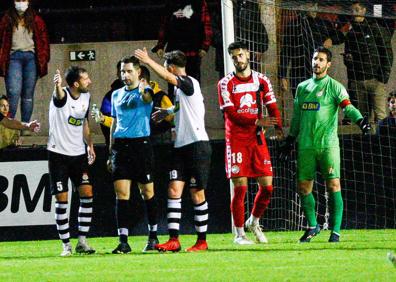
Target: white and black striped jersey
{"points": [[66, 119], [189, 112]]}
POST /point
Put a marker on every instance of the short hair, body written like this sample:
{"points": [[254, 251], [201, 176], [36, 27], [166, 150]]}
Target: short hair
{"points": [[237, 45], [360, 3], [73, 74], [391, 95], [3, 97], [118, 65], [176, 57], [131, 60], [144, 73], [322, 49]]}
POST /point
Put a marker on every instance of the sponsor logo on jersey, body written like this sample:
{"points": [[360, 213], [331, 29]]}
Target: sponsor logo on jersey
{"points": [[235, 169], [248, 110], [75, 121], [246, 100], [310, 106], [246, 87]]}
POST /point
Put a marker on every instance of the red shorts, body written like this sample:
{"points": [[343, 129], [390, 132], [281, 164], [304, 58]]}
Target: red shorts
{"points": [[247, 159]]}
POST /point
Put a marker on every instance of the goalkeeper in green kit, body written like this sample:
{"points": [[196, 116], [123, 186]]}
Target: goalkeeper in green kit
{"points": [[314, 126]]}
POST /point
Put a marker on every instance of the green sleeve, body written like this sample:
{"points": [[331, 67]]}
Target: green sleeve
{"points": [[351, 112], [295, 121]]}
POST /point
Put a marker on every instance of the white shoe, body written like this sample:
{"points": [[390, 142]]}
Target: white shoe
{"points": [[243, 240], [67, 250], [83, 248], [256, 230]]}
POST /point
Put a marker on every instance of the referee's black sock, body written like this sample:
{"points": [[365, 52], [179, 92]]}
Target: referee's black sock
{"points": [[122, 208]]}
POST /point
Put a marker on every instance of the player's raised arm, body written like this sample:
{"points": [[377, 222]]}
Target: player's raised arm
{"points": [[144, 57], [58, 91]]}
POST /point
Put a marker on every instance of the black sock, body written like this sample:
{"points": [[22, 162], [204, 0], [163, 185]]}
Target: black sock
{"points": [[122, 208], [152, 216]]}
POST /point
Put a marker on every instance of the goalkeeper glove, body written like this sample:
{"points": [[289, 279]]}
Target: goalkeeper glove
{"points": [[285, 148], [364, 125]]}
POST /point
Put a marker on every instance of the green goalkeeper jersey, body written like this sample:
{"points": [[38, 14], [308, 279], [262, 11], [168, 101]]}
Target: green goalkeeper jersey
{"points": [[315, 115]]}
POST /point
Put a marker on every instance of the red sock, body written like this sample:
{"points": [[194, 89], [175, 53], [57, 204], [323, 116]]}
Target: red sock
{"points": [[262, 200], [238, 205]]}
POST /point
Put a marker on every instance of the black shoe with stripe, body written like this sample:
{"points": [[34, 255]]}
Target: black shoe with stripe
{"points": [[309, 234]]}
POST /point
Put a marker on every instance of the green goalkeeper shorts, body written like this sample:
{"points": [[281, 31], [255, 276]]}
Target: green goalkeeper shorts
{"points": [[326, 160]]}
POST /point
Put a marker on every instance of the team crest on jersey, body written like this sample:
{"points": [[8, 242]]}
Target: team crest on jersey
{"points": [[75, 121], [310, 106], [320, 93], [235, 169]]}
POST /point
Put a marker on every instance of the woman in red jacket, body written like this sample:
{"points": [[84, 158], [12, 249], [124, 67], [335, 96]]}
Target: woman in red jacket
{"points": [[24, 55]]}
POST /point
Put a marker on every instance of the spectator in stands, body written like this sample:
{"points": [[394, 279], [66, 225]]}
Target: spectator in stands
{"points": [[249, 29], [388, 124], [105, 109], [185, 26], [24, 55], [301, 36], [8, 137], [368, 57]]}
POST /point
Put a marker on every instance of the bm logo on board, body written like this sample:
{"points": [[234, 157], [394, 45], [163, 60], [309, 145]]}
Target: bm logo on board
{"points": [[310, 106]]}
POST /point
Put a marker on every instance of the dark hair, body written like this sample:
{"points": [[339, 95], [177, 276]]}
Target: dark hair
{"points": [[3, 97], [144, 73], [131, 60], [177, 58], [73, 74], [322, 49], [118, 65], [360, 3], [390, 95], [28, 16], [237, 45]]}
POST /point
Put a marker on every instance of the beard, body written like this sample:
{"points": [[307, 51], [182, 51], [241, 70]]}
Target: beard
{"points": [[317, 70], [240, 67]]}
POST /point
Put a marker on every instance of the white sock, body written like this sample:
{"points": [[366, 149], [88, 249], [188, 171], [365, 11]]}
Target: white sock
{"points": [[255, 220], [240, 231]]}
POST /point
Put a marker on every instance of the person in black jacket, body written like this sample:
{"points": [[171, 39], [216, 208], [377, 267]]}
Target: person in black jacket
{"points": [[185, 26], [368, 57], [301, 36], [248, 28]]}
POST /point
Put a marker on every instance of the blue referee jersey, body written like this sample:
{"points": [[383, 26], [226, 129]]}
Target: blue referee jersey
{"points": [[132, 114]]}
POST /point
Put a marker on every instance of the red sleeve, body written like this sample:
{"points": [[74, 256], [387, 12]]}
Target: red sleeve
{"points": [[273, 111], [205, 18], [231, 114]]}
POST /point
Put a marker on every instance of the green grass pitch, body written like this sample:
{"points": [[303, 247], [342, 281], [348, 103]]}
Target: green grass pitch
{"points": [[361, 256]]}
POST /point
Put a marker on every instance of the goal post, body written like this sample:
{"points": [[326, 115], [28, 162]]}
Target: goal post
{"points": [[293, 30]]}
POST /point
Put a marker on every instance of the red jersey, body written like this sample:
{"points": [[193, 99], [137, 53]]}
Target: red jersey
{"points": [[238, 101]]}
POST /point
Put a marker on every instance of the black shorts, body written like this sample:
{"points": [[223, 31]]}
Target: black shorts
{"points": [[62, 167], [132, 159], [191, 164]]}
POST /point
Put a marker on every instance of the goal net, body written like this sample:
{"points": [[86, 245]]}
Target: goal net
{"points": [[281, 36]]}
